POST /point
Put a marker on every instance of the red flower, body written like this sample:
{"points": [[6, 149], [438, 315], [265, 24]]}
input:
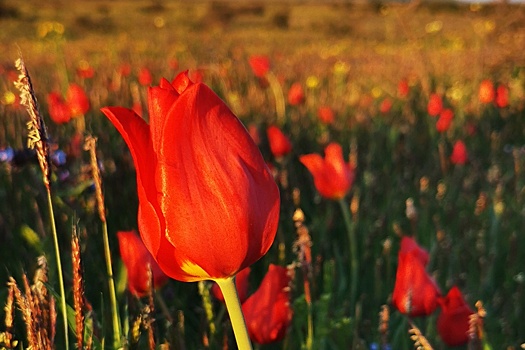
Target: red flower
{"points": [[402, 88], [58, 108], [459, 153], [453, 322], [208, 205], [138, 263], [486, 91], [241, 282], [280, 145], [260, 65], [77, 100], [333, 177], [435, 105], [145, 77], [385, 106], [296, 94], [325, 115], [125, 69], [253, 130], [85, 71], [445, 120], [502, 96], [267, 312], [415, 292]]}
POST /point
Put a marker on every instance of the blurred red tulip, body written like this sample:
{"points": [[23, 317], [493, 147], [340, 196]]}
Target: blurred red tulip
{"points": [[125, 69], [196, 75], [267, 312], [260, 65], [502, 96], [445, 120], [138, 263], [85, 72], [402, 88], [253, 130], [58, 109], [77, 100], [145, 78], [296, 94], [242, 283], [453, 321], [435, 105], [280, 144], [386, 105], [173, 64], [333, 177], [415, 292], [208, 205], [459, 153], [325, 115], [486, 91]]}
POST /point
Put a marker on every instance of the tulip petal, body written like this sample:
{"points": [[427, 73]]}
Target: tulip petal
{"points": [[135, 132], [206, 150], [160, 102]]}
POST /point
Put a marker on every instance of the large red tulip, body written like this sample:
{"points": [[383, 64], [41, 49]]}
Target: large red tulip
{"points": [[453, 321], [415, 292], [333, 177], [208, 205], [138, 263], [267, 312]]}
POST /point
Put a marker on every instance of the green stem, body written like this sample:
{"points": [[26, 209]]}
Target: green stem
{"points": [[111, 285], [278, 96], [354, 267], [59, 268], [233, 305]]}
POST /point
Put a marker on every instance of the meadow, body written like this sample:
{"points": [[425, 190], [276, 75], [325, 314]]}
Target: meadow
{"points": [[426, 100]]}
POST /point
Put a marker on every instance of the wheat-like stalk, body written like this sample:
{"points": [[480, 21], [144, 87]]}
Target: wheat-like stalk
{"points": [[420, 342], [7, 337], [78, 288], [384, 319], [37, 137]]}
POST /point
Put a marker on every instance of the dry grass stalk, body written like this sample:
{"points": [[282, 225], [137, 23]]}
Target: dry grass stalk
{"points": [[476, 331], [151, 307], [420, 342], [78, 288], [91, 146], [37, 138], [7, 338], [384, 318], [27, 315], [303, 248]]}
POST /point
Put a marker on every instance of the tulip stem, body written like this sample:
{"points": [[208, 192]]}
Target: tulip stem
{"points": [[277, 91], [354, 267], [59, 267], [233, 305]]}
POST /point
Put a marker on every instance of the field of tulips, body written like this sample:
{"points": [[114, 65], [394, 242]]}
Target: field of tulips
{"points": [[359, 169]]}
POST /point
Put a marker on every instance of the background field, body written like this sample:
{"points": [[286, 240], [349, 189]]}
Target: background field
{"points": [[347, 56]]}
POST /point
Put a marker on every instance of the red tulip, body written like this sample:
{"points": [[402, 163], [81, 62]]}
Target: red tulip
{"points": [[145, 77], [333, 177], [445, 120], [325, 115], [267, 312], [459, 153], [253, 130], [58, 109], [85, 71], [453, 322], [280, 144], [125, 69], [502, 96], [415, 292], [385, 106], [260, 65], [77, 100], [208, 205], [402, 88], [486, 91], [435, 105], [138, 263], [242, 284], [296, 94]]}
